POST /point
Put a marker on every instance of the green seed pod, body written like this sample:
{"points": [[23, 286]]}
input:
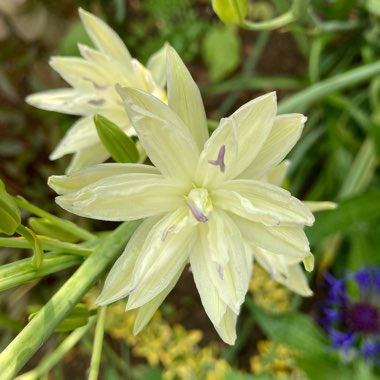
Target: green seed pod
{"points": [[231, 12], [10, 217]]}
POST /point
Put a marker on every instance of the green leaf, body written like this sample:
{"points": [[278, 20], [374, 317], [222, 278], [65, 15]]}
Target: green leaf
{"points": [[373, 6], [221, 51], [350, 213], [292, 328], [10, 217], [38, 253], [120, 146]]}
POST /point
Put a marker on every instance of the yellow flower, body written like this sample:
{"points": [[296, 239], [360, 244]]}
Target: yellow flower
{"points": [[93, 80], [207, 202]]}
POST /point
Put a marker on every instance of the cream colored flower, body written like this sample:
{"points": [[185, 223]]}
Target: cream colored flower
{"points": [[93, 80], [207, 202]]}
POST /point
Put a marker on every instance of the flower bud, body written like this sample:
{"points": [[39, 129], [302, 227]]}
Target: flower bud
{"points": [[231, 11]]}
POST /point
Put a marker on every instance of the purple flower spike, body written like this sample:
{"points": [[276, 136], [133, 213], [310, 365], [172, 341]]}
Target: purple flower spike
{"points": [[197, 213], [220, 160]]}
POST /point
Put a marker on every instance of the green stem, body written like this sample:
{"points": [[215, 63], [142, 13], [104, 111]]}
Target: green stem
{"points": [[30, 339], [47, 245], [303, 99], [98, 344], [275, 23], [49, 361], [66, 225]]}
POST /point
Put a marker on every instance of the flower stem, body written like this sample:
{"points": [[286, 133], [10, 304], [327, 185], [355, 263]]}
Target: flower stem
{"points": [[275, 23], [30, 339], [48, 362], [98, 344]]}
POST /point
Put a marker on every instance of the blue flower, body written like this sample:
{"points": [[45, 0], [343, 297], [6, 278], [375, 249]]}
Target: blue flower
{"points": [[351, 314]]}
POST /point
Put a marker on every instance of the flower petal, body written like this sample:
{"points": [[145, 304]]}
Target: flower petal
{"points": [[118, 281], [320, 206], [124, 197], [281, 240], [227, 327], [184, 97], [254, 122], [278, 174], [272, 200], [160, 261], [104, 38], [162, 134], [284, 134], [218, 158], [91, 155], [230, 279], [70, 183], [63, 100], [281, 270], [157, 65], [146, 311]]}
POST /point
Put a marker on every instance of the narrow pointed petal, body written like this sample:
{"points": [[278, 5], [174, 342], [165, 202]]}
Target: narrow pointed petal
{"points": [[160, 261], [157, 66], [64, 184], [284, 134], [219, 156], [281, 240], [284, 271], [162, 134], [124, 197], [78, 72], [146, 311], [254, 121], [92, 155], [214, 306], [275, 201], [185, 98], [63, 100], [227, 327], [104, 38], [277, 175], [118, 281], [231, 279], [80, 136]]}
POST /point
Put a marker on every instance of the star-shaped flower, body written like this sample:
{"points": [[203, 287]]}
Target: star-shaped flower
{"points": [[93, 80], [207, 202]]}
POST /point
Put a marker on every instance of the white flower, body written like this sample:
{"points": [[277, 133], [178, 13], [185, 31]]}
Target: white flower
{"points": [[93, 80], [207, 202]]}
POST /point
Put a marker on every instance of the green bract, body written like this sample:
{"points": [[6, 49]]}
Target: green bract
{"points": [[231, 11], [10, 217]]}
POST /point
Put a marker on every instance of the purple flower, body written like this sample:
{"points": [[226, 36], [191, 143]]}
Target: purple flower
{"points": [[351, 314]]}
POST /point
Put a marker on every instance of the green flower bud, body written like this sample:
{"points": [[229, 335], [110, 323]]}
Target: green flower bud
{"points": [[120, 146], [231, 11], [10, 217]]}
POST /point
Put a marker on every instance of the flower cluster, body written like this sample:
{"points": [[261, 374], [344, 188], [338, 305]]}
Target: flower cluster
{"points": [[351, 314], [93, 77], [211, 202]]}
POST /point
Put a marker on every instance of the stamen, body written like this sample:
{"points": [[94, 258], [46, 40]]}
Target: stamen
{"points": [[220, 160], [220, 272], [197, 213]]}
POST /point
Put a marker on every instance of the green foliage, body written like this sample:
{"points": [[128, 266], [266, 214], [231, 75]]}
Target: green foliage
{"points": [[221, 51], [76, 34], [120, 146], [10, 217], [231, 11]]}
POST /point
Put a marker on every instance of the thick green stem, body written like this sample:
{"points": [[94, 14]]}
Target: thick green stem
{"points": [[98, 344], [22, 348], [48, 362]]}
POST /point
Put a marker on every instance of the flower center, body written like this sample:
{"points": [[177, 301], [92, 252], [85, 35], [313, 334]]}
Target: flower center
{"points": [[199, 203], [363, 318]]}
